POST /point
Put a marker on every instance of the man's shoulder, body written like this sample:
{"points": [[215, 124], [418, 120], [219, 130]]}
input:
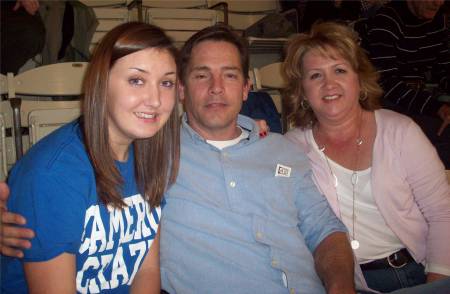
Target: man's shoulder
{"points": [[277, 145]]}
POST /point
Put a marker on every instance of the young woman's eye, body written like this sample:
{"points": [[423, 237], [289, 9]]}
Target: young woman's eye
{"points": [[136, 81], [168, 84]]}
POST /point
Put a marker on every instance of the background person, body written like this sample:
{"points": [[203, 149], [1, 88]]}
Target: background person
{"points": [[378, 171], [92, 189], [408, 42], [22, 33]]}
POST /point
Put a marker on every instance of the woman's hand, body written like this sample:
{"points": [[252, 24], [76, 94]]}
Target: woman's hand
{"points": [[263, 127], [30, 6]]}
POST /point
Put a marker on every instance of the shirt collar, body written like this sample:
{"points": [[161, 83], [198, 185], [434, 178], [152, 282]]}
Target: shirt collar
{"points": [[244, 122]]}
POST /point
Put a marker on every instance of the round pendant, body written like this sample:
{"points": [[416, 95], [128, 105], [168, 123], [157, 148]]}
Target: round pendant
{"points": [[354, 244], [335, 181]]}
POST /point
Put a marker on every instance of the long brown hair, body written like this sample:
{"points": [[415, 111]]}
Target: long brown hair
{"points": [[156, 159], [322, 37]]}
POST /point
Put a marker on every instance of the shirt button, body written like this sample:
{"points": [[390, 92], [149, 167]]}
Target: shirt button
{"points": [[284, 277], [232, 184], [274, 263], [259, 235]]}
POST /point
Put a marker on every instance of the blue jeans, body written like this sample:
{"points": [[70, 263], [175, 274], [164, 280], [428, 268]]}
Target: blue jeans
{"points": [[391, 279], [437, 287]]}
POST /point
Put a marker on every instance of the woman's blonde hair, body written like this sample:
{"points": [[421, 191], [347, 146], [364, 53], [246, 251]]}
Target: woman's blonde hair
{"points": [[323, 37]]}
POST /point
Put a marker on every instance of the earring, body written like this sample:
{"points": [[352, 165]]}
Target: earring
{"points": [[304, 104], [364, 96]]}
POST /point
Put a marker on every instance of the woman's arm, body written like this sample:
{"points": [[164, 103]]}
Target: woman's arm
{"points": [[148, 277], [431, 192], [12, 238], [56, 275]]}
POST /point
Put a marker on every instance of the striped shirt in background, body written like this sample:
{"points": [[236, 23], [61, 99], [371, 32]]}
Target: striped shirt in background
{"points": [[407, 50]]}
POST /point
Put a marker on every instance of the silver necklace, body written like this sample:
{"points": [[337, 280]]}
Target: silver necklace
{"points": [[354, 179]]}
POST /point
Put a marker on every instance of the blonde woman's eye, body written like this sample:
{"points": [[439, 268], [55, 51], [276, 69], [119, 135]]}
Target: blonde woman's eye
{"points": [[314, 76], [340, 70]]}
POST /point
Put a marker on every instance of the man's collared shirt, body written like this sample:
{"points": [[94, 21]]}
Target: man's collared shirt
{"points": [[244, 219]]}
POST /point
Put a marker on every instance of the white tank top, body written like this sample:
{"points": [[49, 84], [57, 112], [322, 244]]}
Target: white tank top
{"points": [[376, 239]]}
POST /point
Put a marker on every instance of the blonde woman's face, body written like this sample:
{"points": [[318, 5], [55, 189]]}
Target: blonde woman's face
{"points": [[141, 95], [330, 85]]}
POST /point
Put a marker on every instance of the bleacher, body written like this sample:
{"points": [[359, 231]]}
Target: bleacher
{"points": [[24, 121]]}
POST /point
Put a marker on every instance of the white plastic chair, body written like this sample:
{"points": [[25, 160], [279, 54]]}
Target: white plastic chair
{"points": [[43, 117], [179, 23], [60, 79], [111, 13], [269, 78], [174, 3], [249, 6], [5, 121], [241, 14]]}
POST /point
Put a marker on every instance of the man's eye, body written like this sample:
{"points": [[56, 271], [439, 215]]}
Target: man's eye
{"points": [[231, 76], [200, 76]]}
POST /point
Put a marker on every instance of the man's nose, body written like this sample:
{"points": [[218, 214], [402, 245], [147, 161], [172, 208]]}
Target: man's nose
{"points": [[216, 86]]}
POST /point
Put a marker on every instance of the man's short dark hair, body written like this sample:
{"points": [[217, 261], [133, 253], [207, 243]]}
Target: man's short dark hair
{"points": [[217, 33]]}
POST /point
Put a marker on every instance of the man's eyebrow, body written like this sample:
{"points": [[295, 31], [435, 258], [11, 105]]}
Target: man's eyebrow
{"points": [[200, 67], [206, 68], [231, 68]]}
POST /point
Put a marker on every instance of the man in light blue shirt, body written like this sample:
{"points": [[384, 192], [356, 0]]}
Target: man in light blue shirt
{"points": [[244, 215]]}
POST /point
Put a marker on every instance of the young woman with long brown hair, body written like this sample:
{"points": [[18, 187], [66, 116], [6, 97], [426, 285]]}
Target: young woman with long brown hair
{"points": [[92, 190]]}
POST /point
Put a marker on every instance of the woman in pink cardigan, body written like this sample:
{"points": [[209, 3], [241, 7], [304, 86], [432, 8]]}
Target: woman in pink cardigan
{"points": [[380, 174]]}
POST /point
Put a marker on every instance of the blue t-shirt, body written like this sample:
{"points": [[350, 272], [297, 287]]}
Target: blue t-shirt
{"points": [[54, 187]]}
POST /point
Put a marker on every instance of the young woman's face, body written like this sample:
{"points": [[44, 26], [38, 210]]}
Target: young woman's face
{"points": [[141, 95]]}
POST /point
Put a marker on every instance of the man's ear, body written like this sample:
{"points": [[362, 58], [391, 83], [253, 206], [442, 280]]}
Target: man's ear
{"points": [[180, 88], [247, 87]]}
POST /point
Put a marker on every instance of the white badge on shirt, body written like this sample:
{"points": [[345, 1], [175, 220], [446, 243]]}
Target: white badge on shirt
{"points": [[283, 171]]}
